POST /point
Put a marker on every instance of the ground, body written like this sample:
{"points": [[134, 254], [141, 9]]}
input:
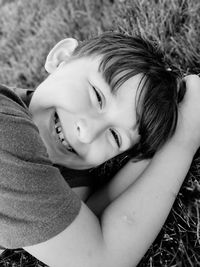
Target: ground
{"points": [[28, 29]]}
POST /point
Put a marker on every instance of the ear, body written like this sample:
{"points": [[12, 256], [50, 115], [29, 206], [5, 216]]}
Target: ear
{"points": [[61, 52]]}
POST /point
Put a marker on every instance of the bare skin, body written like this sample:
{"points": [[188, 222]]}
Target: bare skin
{"points": [[130, 223]]}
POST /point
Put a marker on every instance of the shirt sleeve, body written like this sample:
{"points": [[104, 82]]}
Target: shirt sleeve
{"points": [[36, 203]]}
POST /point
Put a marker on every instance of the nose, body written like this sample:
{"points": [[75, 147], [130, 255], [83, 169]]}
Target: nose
{"points": [[88, 130]]}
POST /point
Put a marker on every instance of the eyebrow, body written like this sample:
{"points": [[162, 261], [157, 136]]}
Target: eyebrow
{"points": [[103, 70], [103, 78], [112, 76], [140, 95]]}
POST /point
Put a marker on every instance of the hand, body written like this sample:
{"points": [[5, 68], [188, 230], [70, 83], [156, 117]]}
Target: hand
{"points": [[188, 127]]}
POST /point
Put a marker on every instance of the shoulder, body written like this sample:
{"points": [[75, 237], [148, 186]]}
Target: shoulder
{"points": [[11, 103]]}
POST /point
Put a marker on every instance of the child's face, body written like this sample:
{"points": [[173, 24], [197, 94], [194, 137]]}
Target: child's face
{"points": [[97, 123]]}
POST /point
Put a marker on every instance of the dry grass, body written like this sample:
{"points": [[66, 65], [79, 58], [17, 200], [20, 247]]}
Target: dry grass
{"points": [[27, 31]]}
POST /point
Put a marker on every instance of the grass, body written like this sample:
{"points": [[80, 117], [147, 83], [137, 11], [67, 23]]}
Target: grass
{"points": [[28, 29]]}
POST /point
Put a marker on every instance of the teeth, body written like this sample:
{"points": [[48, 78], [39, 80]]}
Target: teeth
{"points": [[59, 129], [64, 143], [60, 133]]}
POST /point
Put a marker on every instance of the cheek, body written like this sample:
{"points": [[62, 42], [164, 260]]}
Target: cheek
{"points": [[99, 153], [74, 99]]}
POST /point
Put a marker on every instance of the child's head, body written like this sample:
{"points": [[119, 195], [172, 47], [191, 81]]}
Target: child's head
{"points": [[111, 94], [125, 56]]}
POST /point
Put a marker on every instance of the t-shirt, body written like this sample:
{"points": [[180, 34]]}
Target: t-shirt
{"points": [[36, 203]]}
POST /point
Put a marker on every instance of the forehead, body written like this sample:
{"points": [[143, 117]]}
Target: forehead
{"points": [[108, 74]]}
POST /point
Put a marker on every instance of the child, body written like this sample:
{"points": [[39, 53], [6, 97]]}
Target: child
{"points": [[102, 85], [87, 111]]}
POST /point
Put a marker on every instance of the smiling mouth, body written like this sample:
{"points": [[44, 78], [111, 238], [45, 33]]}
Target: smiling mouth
{"points": [[61, 136]]}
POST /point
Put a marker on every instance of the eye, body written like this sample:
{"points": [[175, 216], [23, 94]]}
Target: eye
{"points": [[98, 96], [116, 137]]}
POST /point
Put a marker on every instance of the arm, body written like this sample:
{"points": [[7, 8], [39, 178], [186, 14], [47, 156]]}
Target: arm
{"points": [[122, 180], [131, 222]]}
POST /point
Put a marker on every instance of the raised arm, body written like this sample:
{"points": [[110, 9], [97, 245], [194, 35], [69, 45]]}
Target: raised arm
{"points": [[130, 223], [98, 201]]}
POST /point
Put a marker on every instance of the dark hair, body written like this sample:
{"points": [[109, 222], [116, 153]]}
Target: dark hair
{"points": [[124, 56]]}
